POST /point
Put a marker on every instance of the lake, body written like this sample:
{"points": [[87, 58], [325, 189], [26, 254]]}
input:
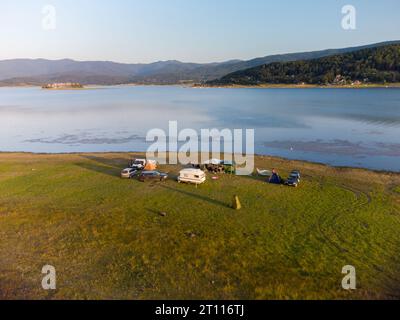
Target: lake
{"points": [[341, 127]]}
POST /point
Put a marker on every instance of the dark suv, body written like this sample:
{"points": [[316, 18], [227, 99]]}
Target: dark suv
{"points": [[294, 179], [152, 176], [292, 182]]}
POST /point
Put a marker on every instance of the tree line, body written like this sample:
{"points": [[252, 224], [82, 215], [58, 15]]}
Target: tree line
{"points": [[373, 65]]}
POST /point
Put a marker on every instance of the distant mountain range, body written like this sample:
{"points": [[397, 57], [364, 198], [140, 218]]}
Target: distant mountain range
{"points": [[379, 64], [41, 71]]}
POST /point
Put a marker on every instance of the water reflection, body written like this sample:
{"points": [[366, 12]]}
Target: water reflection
{"points": [[337, 126]]}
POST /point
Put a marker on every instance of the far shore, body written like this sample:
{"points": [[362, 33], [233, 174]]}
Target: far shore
{"points": [[63, 89], [302, 86], [86, 87], [204, 86]]}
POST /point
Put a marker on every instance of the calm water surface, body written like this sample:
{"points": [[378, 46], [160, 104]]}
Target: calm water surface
{"points": [[357, 127]]}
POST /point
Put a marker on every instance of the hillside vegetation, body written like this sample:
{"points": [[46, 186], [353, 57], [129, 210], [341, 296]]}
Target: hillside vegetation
{"points": [[372, 65], [40, 71]]}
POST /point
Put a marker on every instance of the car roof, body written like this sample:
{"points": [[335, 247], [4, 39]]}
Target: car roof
{"points": [[213, 161]]}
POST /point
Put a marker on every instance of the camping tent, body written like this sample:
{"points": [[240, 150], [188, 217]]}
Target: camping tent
{"points": [[275, 179], [151, 165]]}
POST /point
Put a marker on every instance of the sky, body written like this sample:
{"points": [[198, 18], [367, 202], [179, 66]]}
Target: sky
{"points": [[143, 31]]}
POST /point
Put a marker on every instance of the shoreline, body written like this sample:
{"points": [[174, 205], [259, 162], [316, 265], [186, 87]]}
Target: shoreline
{"points": [[256, 156], [305, 86], [63, 89], [233, 86]]}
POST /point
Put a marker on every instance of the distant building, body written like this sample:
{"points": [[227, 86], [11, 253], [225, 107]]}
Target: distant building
{"points": [[66, 85], [339, 80]]}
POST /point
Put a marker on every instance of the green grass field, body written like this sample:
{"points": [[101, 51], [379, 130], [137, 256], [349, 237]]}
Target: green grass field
{"points": [[107, 240]]}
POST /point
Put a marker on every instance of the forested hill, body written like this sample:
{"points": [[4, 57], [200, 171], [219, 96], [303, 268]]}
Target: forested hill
{"points": [[372, 65], [41, 71]]}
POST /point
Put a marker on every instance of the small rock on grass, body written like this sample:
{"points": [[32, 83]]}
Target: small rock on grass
{"points": [[190, 234]]}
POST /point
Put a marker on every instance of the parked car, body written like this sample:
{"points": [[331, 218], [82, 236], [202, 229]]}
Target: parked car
{"points": [[229, 166], [195, 176], [214, 166], [152, 176], [128, 173], [292, 181], [296, 174]]}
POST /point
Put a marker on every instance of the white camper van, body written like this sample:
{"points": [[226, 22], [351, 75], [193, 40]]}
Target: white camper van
{"points": [[138, 164], [195, 176]]}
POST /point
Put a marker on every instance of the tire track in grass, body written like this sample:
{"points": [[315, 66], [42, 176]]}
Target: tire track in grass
{"points": [[323, 218], [356, 255], [358, 194], [317, 225], [392, 189]]}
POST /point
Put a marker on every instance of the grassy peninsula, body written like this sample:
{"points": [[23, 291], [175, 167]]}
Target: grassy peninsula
{"points": [[107, 240]]}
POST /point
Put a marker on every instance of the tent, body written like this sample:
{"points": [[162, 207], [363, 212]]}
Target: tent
{"points": [[151, 165], [275, 179], [264, 173]]}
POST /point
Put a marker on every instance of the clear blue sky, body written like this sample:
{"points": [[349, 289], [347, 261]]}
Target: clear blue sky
{"points": [[188, 30]]}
